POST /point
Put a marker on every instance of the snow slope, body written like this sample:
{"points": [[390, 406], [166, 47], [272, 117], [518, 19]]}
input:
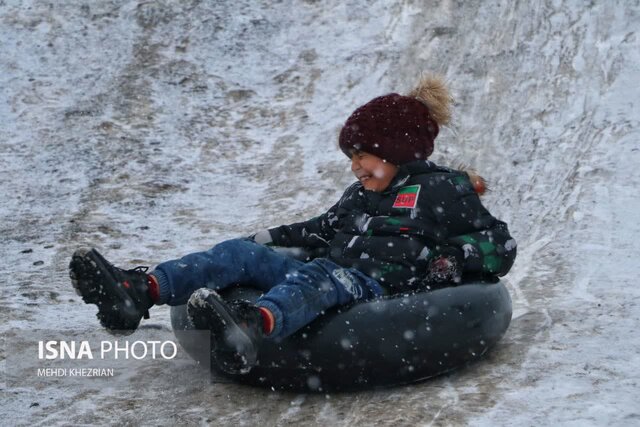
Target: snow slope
{"points": [[150, 129]]}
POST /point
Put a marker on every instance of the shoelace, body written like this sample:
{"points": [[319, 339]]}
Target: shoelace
{"points": [[141, 269]]}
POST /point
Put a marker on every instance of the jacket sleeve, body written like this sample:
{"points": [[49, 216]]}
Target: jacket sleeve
{"points": [[487, 252], [314, 233], [319, 231], [458, 222]]}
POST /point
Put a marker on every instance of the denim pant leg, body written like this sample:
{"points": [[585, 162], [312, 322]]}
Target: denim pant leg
{"points": [[236, 261], [313, 288]]}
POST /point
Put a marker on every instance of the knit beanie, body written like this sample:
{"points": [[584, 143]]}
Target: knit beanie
{"points": [[397, 128]]}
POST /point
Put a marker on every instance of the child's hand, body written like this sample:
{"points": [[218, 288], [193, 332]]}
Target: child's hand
{"points": [[444, 269], [262, 237]]}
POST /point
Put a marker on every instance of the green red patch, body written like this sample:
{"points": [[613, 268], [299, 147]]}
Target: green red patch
{"points": [[407, 197]]}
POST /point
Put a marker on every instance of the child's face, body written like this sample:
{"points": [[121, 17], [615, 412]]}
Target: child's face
{"points": [[374, 173]]}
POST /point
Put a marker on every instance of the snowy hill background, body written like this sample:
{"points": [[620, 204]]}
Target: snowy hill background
{"points": [[151, 129]]}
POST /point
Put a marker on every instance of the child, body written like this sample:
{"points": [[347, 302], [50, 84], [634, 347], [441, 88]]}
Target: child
{"points": [[405, 225]]}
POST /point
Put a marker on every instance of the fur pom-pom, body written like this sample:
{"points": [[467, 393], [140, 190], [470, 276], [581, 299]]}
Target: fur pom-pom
{"points": [[433, 92], [480, 185]]}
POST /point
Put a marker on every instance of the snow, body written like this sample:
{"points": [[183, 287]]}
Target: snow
{"points": [[150, 129]]}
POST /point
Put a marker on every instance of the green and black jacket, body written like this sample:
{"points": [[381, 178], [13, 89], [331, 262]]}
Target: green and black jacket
{"points": [[426, 211]]}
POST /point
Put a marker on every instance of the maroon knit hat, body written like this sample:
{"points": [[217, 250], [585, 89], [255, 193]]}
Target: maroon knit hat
{"points": [[396, 128]]}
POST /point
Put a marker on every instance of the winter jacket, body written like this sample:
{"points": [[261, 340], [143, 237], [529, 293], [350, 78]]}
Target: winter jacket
{"points": [[426, 211]]}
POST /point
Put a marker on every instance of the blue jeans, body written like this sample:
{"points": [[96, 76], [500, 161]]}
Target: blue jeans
{"points": [[295, 292]]}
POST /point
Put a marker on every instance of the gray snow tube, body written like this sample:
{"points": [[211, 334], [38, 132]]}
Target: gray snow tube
{"points": [[384, 342]]}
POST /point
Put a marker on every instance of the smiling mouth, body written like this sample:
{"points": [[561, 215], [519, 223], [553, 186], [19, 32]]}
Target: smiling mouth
{"points": [[364, 178]]}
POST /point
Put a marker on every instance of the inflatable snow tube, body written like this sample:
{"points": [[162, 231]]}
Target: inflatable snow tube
{"points": [[383, 342]]}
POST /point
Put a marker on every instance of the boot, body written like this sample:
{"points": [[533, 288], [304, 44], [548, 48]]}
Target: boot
{"points": [[122, 296], [236, 329]]}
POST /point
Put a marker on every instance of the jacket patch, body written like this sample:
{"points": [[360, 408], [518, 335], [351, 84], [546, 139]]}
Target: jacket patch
{"points": [[407, 197]]}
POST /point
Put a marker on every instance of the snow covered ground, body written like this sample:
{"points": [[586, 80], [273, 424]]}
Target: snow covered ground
{"points": [[150, 129]]}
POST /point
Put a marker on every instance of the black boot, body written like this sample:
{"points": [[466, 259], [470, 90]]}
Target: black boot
{"points": [[122, 296], [236, 329]]}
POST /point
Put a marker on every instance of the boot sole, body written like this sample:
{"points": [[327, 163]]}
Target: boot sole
{"points": [[91, 281], [234, 352]]}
